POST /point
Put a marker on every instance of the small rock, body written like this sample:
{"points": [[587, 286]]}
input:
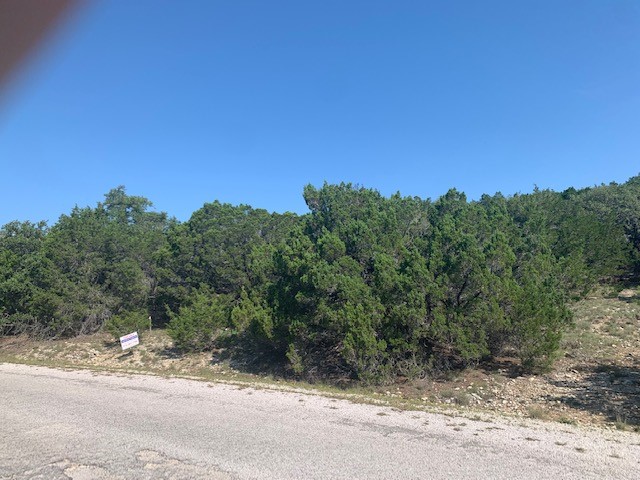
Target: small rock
{"points": [[627, 294]]}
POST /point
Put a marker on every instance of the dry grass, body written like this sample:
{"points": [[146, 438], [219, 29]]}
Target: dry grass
{"points": [[537, 412]]}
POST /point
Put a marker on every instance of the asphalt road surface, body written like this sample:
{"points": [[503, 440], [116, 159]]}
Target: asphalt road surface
{"points": [[57, 424]]}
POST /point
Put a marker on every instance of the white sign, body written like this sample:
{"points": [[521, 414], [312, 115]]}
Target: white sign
{"points": [[129, 341]]}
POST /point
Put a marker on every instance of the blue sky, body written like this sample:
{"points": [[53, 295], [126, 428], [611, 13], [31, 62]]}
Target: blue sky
{"points": [[186, 102]]}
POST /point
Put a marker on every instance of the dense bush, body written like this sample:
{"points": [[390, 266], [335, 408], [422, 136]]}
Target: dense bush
{"points": [[362, 287], [197, 323], [120, 325], [374, 299]]}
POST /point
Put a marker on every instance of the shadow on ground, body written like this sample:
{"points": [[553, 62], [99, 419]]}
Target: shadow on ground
{"points": [[250, 362], [274, 366], [508, 366], [169, 353], [612, 391]]}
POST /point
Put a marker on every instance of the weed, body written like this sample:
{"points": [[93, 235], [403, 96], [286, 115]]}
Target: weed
{"points": [[537, 412], [460, 397], [621, 423], [478, 388], [567, 420]]}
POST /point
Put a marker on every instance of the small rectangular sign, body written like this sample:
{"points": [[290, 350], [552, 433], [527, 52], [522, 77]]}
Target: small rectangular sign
{"points": [[129, 341]]}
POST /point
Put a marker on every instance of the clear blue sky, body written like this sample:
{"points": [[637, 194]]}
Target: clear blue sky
{"points": [[186, 102]]}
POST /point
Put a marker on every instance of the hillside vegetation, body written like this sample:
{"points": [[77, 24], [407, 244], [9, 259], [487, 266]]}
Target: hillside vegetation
{"points": [[363, 287]]}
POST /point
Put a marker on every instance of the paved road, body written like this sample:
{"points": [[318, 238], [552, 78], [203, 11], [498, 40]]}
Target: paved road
{"points": [[58, 424]]}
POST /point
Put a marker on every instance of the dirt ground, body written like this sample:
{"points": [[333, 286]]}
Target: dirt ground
{"points": [[595, 380]]}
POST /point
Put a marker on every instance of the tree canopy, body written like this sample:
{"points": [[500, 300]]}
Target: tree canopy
{"points": [[364, 287]]}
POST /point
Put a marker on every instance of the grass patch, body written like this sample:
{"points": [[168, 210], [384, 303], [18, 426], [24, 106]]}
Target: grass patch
{"points": [[459, 397], [537, 413], [621, 424], [567, 420]]}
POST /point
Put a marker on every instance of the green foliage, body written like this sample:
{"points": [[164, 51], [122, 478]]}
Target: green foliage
{"points": [[539, 315], [249, 315], [393, 298], [120, 325], [199, 322], [363, 287], [69, 279], [219, 247]]}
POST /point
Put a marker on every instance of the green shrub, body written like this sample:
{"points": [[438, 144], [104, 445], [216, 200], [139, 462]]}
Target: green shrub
{"points": [[197, 324], [120, 325], [253, 318], [540, 317]]}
